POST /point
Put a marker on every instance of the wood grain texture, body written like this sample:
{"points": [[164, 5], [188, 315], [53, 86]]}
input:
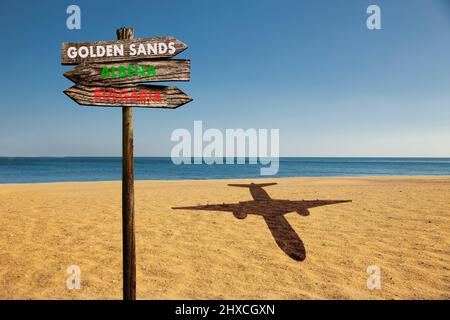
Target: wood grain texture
{"points": [[171, 96], [128, 229], [128, 226], [166, 70], [66, 60]]}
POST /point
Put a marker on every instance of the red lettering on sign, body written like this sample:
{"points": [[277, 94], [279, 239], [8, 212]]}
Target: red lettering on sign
{"points": [[127, 95], [114, 97], [123, 95], [157, 97], [97, 93], [134, 96], [142, 95]]}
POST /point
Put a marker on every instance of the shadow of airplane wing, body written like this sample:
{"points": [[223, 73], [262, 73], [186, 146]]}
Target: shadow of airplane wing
{"points": [[212, 207], [318, 203], [304, 205], [235, 208]]}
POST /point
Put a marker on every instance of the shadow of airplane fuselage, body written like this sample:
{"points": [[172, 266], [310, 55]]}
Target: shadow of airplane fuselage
{"points": [[273, 211]]}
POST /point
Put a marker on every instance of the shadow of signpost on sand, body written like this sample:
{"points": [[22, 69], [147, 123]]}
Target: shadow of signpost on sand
{"points": [[272, 211]]}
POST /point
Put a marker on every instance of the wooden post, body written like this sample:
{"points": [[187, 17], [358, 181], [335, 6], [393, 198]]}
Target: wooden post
{"points": [[128, 239]]}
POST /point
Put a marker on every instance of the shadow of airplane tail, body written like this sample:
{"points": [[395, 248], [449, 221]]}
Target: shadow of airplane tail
{"points": [[286, 237], [256, 189], [250, 185]]}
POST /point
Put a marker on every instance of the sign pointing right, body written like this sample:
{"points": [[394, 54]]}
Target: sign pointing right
{"points": [[120, 50], [146, 96]]}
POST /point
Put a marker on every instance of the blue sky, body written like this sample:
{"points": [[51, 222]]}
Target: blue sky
{"points": [[310, 68]]}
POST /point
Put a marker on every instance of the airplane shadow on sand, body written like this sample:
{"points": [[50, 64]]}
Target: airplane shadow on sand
{"points": [[272, 211]]}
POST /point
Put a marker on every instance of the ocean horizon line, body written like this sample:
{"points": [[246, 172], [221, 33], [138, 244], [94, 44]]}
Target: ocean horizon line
{"points": [[77, 169], [254, 178], [284, 157]]}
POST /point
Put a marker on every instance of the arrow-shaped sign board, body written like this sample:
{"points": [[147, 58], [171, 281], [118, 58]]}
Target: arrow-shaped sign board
{"points": [[120, 50], [126, 72], [146, 96]]}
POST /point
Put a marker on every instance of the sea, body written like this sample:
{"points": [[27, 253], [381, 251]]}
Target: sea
{"points": [[50, 169]]}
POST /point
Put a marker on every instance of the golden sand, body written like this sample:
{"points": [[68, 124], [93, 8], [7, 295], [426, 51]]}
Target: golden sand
{"points": [[401, 224]]}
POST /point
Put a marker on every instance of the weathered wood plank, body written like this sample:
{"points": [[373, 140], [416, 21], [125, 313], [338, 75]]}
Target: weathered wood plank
{"points": [[146, 96], [120, 50], [128, 234], [130, 72]]}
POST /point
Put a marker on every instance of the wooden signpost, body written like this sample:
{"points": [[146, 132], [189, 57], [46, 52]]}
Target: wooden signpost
{"points": [[107, 75]]}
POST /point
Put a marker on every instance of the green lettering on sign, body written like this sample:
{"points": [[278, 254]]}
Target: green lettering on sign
{"points": [[130, 71]]}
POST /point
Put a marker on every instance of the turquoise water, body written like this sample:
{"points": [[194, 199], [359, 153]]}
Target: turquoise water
{"points": [[26, 170]]}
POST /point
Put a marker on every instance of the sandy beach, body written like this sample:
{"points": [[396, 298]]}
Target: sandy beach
{"points": [[401, 224]]}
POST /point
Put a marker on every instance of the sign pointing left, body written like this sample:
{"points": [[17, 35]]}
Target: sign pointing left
{"points": [[126, 73]]}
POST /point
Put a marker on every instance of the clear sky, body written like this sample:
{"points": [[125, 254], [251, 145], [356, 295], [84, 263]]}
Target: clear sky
{"points": [[310, 68]]}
